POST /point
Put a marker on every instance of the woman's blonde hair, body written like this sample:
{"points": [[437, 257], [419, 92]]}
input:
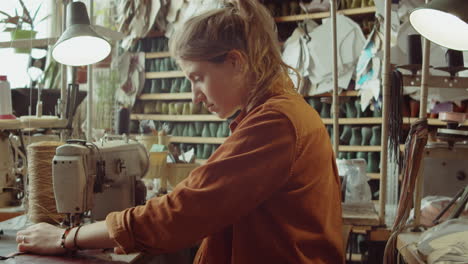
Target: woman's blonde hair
{"points": [[242, 25]]}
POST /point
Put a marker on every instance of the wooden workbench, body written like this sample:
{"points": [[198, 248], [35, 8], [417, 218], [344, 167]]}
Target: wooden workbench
{"points": [[10, 212], [8, 245], [406, 245]]}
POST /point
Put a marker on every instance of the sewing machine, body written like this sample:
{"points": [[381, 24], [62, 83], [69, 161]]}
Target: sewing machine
{"points": [[12, 170], [99, 177], [445, 163]]}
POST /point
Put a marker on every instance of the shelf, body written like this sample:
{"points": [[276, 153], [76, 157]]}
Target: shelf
{"points": [[32, 122], [355, 121], [327, 121], [155, 34], [373, 176], [364, 215], [197, 140], [360, 148], [320, 15], [166, 96], [176, 118], [355, 257], [161, 75], [188, 96], [28, 43], [431, 121], [343, 93], [437, 81], [156, 55]]}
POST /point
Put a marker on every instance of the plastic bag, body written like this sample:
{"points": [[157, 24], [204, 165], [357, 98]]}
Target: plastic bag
{"points": [[446, 242], [357, 189], [431, 206]]}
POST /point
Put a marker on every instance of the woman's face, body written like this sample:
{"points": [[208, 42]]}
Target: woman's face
{"points": [[221, 87]]}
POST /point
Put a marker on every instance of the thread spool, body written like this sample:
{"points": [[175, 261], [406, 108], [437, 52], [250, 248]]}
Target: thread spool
{"points": [[454, 58], [41, 201], [122, 121], [414, 49], [5, 99]]}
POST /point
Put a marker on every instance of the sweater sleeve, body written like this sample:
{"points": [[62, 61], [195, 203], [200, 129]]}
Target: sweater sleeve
{"points": [[253, 163]]}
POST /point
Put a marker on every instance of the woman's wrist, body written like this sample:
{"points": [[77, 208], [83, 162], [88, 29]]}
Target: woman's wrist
{"points": [[63, 237], [71, 242]]}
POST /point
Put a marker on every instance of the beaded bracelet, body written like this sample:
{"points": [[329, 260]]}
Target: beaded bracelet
{"points": [[75, 245], [64, 237]]}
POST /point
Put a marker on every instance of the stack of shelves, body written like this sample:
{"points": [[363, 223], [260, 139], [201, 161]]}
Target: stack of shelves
{"points": [[368, 122]]}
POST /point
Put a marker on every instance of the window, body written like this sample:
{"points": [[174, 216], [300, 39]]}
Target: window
{"points": [[15, 65]]}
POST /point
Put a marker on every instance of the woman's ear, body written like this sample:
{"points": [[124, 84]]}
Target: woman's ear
{"points": [[237, 59]]}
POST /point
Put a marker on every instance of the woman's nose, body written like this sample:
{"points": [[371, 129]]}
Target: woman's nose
{"points": [[197, 96]]}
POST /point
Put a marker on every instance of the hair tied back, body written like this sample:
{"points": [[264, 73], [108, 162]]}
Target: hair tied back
{"points": [[229, 4]]}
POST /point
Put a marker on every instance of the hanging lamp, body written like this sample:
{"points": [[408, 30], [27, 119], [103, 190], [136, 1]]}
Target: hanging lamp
{"points": [[444, 22], [79, 44]]}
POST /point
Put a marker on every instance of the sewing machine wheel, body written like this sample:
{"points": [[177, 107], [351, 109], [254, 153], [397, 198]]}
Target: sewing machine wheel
{"points": [[140, 193]]}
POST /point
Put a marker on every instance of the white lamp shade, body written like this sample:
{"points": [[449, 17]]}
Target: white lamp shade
{"points": [[81, 50], [441, 28], [79, 45]]}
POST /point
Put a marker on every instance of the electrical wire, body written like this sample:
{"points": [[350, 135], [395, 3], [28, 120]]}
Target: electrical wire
{"points": [[395, 115], [414, 149]]}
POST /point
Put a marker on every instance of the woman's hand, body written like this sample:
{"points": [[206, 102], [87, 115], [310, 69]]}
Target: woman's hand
{"points": [[41, 239]]}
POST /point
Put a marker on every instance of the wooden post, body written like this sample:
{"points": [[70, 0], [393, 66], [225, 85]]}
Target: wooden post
{"points": [[335, 102], [385, 99], [89, 106], [422, 115], [63, 74]]}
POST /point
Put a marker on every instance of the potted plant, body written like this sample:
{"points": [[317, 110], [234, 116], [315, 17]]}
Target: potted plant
{"points": [[21, 26]]}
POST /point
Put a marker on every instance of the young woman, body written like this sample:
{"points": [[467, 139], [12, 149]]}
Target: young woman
{"points": [[269, 194]]}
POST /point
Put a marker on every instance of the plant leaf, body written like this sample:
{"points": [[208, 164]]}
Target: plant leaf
{"points": [[36, 12], [44, 18], [26, 13], [5, 14]]}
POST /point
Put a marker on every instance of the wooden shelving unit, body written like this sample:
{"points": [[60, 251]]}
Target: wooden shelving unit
{"points": [[188, 96], [373, 176], [348, 12], [176, 118], [198, 140], [355, 121], [215, 140], [157, 55], [162, 75], [166, 96], [359, 148], [437, 81], [369, 217], [431, 121], [343, 93], [28, 43]]}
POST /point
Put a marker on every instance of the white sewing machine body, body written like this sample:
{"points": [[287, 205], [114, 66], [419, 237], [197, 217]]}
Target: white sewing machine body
{"points": [[445, 168], [101, 176]]}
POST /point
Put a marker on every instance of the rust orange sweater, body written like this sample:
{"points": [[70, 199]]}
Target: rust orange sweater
{"points": [[269, 194]]}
